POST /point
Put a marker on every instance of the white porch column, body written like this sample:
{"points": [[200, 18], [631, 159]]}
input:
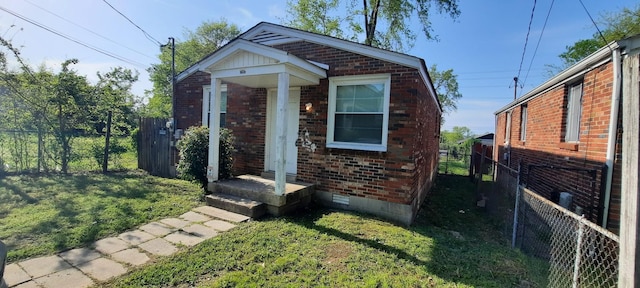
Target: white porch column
{"points": [[281, 132], [214, 130], [205, 106]]}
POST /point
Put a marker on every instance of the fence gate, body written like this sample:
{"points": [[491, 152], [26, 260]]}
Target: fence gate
{"points": [[153, 147]]}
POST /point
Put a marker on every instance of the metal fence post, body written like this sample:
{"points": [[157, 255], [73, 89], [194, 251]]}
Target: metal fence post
{"points": [[516, 210], [576, 263]]}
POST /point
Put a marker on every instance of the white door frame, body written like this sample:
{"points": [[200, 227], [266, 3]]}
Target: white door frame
{"points": [[270, 134]]}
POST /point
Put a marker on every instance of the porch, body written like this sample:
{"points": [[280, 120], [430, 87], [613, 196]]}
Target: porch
{"points": [[255, 196]]}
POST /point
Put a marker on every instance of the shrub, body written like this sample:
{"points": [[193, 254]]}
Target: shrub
{"points": [[134, 138], [194, 147]]}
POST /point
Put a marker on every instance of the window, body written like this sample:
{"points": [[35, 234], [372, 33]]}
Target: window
{"points": [[507, 128], [223, 104], [574, 112], [523, 123], [359, 112]]}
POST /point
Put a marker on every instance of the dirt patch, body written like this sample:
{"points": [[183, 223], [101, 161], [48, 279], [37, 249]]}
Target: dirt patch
{"points": [[336, 252]]}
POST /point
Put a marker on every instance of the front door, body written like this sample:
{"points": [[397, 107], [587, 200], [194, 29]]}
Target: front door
{"points": [[292, 131]]}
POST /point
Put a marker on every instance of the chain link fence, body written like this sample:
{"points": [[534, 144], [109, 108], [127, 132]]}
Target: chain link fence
{"points": [[579, 252]]}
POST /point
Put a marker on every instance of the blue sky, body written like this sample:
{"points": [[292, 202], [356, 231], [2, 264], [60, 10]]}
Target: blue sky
{"points": [[484, 46]]}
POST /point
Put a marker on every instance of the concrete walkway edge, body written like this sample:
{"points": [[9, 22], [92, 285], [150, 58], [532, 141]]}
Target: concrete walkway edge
{"points": [[114, 256]]}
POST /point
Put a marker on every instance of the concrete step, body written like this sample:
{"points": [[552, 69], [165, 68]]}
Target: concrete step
{"points": [[243, 206]]}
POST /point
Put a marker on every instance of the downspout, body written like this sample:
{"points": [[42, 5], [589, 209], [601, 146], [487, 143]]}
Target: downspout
{"points": [[613, 132]]}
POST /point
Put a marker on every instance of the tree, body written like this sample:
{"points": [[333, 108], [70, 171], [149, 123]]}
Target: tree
{"points": [[446, 85], [114, 93], [617, 26], [208, 37], [385, 23], [316, 17]]}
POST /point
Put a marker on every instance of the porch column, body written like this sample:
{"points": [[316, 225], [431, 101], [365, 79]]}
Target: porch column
{"points": [[205, 107], [214, 131], [281, 132]]}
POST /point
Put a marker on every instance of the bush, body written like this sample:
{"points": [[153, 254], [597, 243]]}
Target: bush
{"points": [[134, 138], [194, 148]]}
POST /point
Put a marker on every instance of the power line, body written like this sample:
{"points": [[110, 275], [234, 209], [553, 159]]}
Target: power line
{"points": [[526, 40], [89, 30], [538, 44], [101, 51], [594, 24], [134, 24]]}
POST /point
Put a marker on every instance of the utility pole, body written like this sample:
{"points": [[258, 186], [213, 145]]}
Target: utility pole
{"points": [[515, 87], [172, 122]]}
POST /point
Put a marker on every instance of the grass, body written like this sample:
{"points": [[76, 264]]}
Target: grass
{"points": [[82, 158], [453, 167], [41, 215], [451, 244]]}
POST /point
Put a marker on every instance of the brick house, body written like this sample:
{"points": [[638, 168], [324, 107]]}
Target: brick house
{"points": [[360, 123], [567, 134]]}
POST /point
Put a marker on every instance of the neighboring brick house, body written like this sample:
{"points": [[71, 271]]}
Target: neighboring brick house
{"points": [[565, 124], [362, 123]]}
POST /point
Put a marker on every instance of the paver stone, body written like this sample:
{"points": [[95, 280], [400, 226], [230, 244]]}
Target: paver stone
{"points": [[69, 278], [14, 275], [131, 256], [38, 267], [102, 269], [159, 246], [136, 237], [80, 255]]}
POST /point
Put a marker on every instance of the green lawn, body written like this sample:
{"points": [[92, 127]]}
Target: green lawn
{"points": [[25, 157], [41, 215], [452, 244]]}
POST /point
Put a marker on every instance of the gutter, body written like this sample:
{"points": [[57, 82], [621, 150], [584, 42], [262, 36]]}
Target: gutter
{"points": [[613, 131], [602, 53]]}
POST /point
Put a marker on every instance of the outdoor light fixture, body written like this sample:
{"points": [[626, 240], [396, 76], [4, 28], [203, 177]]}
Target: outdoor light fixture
{"points": [[308, 106]]}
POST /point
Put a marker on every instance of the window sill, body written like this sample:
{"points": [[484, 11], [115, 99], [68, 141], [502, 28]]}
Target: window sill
{"points": [[355, 146], [571, 146]]}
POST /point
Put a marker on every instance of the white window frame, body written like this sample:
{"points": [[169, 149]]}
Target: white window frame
{"points": [[206, 96], [574, 113], [334, 82], [523, 122]]}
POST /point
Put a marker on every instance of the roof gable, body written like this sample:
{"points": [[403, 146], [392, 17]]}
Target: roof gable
{"points": [[269, 34]]}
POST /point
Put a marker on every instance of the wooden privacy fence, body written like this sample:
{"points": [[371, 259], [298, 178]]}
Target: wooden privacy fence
{"points": [[153, 147]]}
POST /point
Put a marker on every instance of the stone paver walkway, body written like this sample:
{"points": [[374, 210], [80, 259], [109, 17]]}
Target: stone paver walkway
{"points": [[114, 256]]}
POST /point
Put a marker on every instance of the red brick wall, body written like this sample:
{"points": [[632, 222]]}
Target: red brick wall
{"points": [[403, 174], [189, 100], [545, 144]]}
